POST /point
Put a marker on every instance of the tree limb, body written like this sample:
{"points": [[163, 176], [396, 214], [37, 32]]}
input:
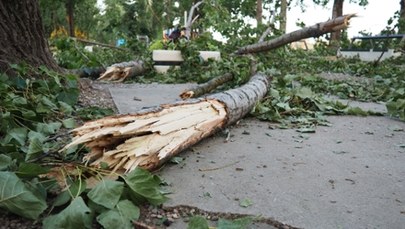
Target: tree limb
{"points": [[311, 31], [265, 33], [207, 87], [121, 71], [150, 137], [190, 19]]}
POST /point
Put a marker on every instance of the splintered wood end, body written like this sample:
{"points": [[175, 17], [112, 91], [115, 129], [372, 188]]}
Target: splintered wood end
{"points": [[147, 140]]}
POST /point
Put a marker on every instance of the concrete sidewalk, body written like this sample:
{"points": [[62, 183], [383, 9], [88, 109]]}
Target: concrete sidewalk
{"points": [[349, 175]]}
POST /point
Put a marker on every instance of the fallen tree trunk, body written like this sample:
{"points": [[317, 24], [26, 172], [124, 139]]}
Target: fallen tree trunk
{"points": [[316, 30], [121, 71], [207, 87], [150, 137]]}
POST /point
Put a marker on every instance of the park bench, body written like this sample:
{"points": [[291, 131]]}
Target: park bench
{"points": [[164, 59], [372, 48]]}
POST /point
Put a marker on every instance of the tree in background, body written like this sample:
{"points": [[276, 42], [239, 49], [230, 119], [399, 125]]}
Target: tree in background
{"points": [[283, 16], [259, 12], [81, 22], [401, 21], [337, 11]]}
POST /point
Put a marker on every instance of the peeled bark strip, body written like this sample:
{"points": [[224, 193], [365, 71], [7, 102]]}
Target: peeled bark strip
{"points": [[207, 87], [121, 71], [152, 136], [312, 31]]}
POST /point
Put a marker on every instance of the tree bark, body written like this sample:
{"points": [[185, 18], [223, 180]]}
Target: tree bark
{"points": [[283, 16], [311, 31], [22, 36], [152, 136], [259, 12], [70, 17], [401, 29], [337, 11]]}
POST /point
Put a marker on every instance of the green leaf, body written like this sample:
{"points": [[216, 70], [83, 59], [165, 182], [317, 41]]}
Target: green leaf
{"points": [[48, 128], [5, 162], [17, 134], [69, 96], [66, 108], [198, 222], [245, 203], [62, 198], [76, 215], [17, 100], [241, 223], [29, 114], [107, 193], [16, 197], [305, 92], [356, 111], [48, 103], [26, 170], [142, 183], [77, 187], [176, 160], [121, 216], [36, 135], [69, 123], [34, 149]]}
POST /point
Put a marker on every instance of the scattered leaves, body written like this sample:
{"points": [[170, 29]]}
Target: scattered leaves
{"points": [[245, 203]]}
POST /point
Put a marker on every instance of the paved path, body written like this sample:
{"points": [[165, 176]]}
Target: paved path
{"points": [[349, 175]]}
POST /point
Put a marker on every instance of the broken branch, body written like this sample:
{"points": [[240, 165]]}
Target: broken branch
{"points": [[152, 136], [207, 87], [121, 71], [316, 30]]}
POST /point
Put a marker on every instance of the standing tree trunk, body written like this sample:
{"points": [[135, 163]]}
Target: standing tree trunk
{"points": [[401, 21], [337, 11], [70, 18], [22, 36], [259, 12], [283, 16]]}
